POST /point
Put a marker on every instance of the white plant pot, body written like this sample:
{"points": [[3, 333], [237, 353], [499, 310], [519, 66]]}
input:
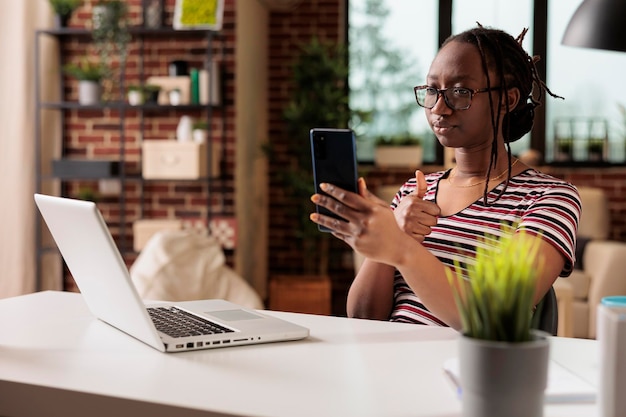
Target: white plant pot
{"points": [[135, 97], [410, 156], [89, 92], [200, 135], [174, 97]]}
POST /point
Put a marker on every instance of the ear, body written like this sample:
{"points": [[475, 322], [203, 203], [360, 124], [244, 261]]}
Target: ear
{"points": [[512, 97]]}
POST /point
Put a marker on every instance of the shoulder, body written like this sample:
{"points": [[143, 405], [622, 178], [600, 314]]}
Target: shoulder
{"points": [[539, 184]]}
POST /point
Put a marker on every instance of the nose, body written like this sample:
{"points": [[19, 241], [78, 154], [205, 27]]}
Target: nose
{"points": [[441, 107]]}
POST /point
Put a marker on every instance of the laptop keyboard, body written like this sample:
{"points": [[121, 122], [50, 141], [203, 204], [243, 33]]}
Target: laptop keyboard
{"points": [[178, 323]]}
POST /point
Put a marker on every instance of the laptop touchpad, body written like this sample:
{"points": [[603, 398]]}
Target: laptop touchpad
{"points": [[233, 315]]}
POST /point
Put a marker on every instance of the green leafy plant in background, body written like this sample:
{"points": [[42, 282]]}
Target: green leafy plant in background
{"points": [[495, 293], [111, 37], [64, 9], [319, 99], [85, 70]]}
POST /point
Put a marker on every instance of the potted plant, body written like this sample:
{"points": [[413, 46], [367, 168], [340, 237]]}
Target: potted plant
{"points": [[174, 96], [398, 151], [151, 93], [89, 75], [318, 99], [63, 10], [200, 131], [595, 149], [564, 149], [503, 361], [135, 95]]}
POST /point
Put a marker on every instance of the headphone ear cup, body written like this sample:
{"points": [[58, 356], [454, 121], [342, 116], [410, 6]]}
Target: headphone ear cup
{"points": [[518, 122]]}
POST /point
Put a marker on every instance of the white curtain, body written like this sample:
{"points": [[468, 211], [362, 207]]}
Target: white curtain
{"points": [[18, 22]]}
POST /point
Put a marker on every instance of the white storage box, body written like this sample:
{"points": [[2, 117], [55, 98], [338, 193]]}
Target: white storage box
{"points": [[168, 159], [144, 229]]}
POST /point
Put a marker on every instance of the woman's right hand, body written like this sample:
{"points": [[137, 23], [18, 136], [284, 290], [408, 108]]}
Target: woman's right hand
{"points": [[415, 216]]}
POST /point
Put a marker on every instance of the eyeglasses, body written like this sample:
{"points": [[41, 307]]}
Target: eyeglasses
{"points": [[457, 98]]}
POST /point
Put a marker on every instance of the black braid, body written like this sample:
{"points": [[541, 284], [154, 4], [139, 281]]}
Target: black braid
{"points": [[505, 55]]}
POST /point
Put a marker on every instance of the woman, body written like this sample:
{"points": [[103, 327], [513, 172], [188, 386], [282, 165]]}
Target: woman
{"points": [[478, 97]]}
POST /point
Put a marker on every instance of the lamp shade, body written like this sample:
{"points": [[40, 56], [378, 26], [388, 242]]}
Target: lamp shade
{"points": [[599, 24]]}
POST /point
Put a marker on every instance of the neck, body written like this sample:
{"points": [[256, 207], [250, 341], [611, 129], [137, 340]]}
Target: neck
{"points": [[476, 164]]}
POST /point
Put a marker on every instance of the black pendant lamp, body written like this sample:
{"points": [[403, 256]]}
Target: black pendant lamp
{"points": [[598, 24]]}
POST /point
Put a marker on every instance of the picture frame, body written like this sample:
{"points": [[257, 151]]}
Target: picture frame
{"points": [[198, 14]]}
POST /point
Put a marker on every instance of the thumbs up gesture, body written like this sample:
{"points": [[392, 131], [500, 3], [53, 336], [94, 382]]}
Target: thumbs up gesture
{"points": [[415, 216]]}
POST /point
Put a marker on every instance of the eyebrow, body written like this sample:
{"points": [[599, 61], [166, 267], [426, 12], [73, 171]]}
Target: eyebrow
{"points": [[461, 79]]}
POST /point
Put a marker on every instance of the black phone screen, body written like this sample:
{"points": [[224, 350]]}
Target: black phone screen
{"points": [[334, 161]]}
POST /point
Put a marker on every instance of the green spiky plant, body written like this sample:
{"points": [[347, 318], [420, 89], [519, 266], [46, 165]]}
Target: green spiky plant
{"points": [[495, 294]]}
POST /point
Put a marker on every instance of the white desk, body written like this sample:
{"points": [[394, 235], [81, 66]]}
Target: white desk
{"points": [[56, 359]]}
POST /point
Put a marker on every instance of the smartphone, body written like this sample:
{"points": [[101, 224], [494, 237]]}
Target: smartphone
{"points": [[334, 162]]}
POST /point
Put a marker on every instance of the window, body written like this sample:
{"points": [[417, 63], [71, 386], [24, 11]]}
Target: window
{"points": [[511, 17], [391, 44], [592, 83]]}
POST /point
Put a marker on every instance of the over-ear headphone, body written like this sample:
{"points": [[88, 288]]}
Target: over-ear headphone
{"points": [[518, 122]]}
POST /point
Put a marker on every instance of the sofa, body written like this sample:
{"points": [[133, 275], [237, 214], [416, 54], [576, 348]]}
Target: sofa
{"points": [[599, 271]]}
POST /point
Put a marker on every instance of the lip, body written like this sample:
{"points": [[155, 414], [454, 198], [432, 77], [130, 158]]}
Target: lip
{"points": [[441, 127]]}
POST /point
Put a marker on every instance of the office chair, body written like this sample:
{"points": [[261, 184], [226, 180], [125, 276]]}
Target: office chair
{"points": [[546, 315]]}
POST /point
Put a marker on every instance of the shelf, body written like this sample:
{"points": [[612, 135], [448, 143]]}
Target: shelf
{"points": [[134, 31], [115, 128], [118, 105]]}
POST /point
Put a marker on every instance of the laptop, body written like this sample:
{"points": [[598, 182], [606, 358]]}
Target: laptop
{"points": [[102, 277]]}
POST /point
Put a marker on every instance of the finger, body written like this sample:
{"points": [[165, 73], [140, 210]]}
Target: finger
{"points": [[421, 183], [362, 187], [347, 198]]}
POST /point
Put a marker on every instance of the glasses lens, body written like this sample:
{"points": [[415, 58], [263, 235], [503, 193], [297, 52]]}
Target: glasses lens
{"points": [[458, 98], [426, 97]]}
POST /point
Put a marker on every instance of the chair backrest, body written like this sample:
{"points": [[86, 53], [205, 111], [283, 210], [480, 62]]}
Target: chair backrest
{"points": [[546, 315], [595, 218]]}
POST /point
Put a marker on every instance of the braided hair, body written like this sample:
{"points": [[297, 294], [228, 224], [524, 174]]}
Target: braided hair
{"points": [[514, 68]]}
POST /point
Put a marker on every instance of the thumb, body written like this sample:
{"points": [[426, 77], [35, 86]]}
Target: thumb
{"points": [[421, 183]]}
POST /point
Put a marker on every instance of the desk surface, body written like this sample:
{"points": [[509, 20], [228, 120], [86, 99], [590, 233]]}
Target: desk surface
{"points": [[54, 350]]}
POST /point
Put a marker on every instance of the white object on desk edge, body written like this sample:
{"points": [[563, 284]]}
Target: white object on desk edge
{"points": [[563, 385]]}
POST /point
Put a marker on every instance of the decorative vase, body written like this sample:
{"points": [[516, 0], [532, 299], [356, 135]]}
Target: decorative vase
{"points": [[184, 129], [502, 378], [409, 156], [89, 92]]}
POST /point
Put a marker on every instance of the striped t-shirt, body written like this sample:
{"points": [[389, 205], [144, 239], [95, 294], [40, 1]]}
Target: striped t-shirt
{"points": [[538, 203]]}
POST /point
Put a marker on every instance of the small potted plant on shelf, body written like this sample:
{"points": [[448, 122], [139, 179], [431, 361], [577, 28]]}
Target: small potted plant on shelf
{"points": [[151, 93], [174, 96], [89, 74], [495, 299], [63, 10], [200, 131], [595, 149], [564, 149], [398, 151], [135, 95]]}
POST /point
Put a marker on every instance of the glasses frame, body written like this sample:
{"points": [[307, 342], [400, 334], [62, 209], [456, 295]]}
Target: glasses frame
{"points": [[441, 93]]}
